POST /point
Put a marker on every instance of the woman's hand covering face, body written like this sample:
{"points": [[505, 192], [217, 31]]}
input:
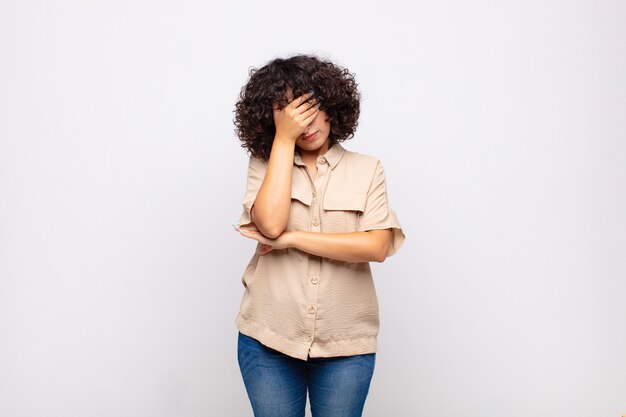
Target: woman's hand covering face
{"points": [[293, 119]]}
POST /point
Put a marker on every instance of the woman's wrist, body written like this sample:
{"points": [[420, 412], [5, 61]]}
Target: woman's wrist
{"points": [[290, 238], [284, 138]]}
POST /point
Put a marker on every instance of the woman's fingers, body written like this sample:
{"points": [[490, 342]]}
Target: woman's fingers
{"points": [[297, 102], [292, 120], [265, 249], [250, 233], [310, 114], [253, 234], [305, 110], [304, 117]]}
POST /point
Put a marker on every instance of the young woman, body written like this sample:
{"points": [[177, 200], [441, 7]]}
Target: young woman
{"points": [[309, 316]]}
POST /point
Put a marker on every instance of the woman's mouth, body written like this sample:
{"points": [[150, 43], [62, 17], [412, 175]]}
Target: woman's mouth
{"points": [[310, 137]]}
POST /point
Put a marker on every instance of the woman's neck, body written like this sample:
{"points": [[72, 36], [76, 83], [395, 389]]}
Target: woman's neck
{"points": [[310, 157]]}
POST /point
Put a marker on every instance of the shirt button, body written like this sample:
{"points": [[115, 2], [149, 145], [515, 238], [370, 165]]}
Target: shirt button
{"points": [[311, 309], [316, 222], [313, 280], [309, 338], [322, 160], [313, 193]]}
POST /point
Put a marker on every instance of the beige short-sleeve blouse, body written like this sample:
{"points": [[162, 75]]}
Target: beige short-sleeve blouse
{"points": [[305, 305]]}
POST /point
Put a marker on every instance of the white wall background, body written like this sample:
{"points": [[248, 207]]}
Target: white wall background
{"points": [[502, 129]]}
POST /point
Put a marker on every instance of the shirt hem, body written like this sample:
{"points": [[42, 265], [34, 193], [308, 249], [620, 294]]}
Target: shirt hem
{"points": [[305, 349]]}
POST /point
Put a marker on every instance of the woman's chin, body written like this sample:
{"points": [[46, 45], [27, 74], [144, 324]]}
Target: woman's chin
{"points": [[311, 146]]}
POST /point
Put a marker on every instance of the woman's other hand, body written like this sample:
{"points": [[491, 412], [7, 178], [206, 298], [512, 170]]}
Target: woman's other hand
{"points": [[267, 244], [293, 120]]}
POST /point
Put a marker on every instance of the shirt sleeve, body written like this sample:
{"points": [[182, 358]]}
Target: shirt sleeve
{"points": [[377, 214], [256, 173]]}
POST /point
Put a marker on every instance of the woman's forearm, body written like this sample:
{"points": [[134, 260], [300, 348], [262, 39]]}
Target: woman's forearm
{"points": [[270, 211], [370, 246]]}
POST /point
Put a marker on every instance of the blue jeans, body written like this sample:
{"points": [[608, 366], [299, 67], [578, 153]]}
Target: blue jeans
{"points": [[277, 383]]}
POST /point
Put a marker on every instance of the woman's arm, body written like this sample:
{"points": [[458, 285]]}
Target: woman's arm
{"points": [[370, 246], [270, 211]]}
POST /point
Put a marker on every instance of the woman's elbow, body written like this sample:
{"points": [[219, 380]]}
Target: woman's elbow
{"points": [[381, 254], [382, 249], [380, 259], [271, 232], [270, 228]]}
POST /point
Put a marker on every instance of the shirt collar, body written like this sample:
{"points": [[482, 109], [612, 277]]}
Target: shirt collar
{"points": [[332, 156]]}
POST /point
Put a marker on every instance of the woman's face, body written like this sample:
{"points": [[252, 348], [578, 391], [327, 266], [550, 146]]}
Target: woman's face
{"points": [[315, 137]]}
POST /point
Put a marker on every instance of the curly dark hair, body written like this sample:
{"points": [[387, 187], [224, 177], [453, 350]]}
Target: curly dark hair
{"points": [[335, 87]]}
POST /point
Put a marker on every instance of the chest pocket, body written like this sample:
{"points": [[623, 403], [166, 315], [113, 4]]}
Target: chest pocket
{"points": [[301, 200], [342, 212]]}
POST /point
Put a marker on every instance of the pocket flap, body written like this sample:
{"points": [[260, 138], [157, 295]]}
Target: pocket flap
{"points": [[302, 195], [301, 187], [346, 201]]}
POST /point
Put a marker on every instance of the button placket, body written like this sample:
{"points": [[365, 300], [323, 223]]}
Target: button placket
{"points": [[315, 263], [313, 294]]}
